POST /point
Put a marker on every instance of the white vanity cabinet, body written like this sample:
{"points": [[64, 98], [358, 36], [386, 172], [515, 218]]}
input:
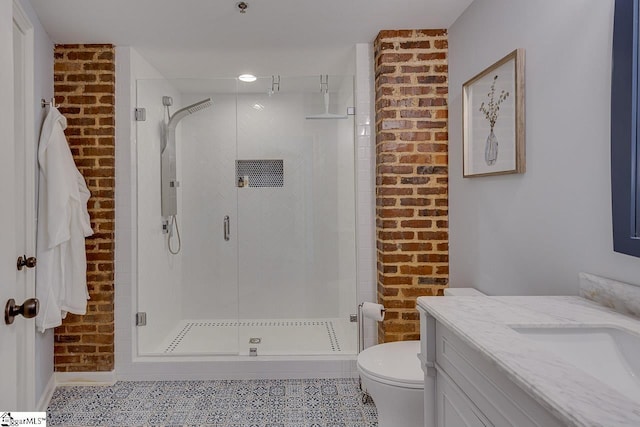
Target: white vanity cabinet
{"points": [[453, 407], [469, 389]]}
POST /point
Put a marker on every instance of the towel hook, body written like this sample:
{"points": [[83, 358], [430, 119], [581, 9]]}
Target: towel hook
{"points": [[52, 103]]}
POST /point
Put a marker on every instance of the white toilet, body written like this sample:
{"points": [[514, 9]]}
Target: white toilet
{"points": [[392, 375]]}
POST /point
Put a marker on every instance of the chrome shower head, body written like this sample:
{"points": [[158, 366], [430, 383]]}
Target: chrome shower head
{"points": [[200, 105], [193, 108]]}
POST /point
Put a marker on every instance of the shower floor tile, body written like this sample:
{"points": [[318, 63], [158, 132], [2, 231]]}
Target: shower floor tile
{"points": [[223, 403], [276, 337]]}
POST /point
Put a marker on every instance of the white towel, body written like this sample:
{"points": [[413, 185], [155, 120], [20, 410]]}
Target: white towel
{"points": [[63, 223]]}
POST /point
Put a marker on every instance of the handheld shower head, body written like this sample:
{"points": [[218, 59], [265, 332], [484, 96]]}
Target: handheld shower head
{"points": [[193, 108]]}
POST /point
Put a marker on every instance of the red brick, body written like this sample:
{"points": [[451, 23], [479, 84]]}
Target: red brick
{"points": [[422, 44], [415, 69], [390, 34], [81, 78], [415, 114], [396, 124], [85, 343], [391, 191], [416, 90], [106, 55], [432, 79], [432, 33], [396, 280], [396, 213], [102, 88], [393, 80], [416, 247], [82, 56], [99, 66], [432, 56], [80, 100], [432, 102], [396, 147], [416, 223], [441, 44], [411, 160], [431, 125]]}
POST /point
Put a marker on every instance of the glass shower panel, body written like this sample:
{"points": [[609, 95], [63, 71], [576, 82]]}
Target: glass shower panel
{"points": [[296, 217], [190, 298]]}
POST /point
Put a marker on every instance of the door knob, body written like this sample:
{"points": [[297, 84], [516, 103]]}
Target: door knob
{"points": [[28, 309], [23, 261]]}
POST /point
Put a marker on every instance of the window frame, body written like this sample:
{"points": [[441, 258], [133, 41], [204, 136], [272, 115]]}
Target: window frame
{"points": [[625, 119]]}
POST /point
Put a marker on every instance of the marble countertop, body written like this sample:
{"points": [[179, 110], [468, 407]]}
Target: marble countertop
{"points": [[573, 396]]}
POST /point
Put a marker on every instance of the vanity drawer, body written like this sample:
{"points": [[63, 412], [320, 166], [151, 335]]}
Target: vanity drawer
{"points": [[504, 403]]}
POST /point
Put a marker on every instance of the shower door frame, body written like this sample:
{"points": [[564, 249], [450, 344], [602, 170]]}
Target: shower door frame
{"points": [[130, 366]]}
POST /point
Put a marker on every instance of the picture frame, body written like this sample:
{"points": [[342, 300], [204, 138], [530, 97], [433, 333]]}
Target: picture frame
{"points": [[493, 119]]}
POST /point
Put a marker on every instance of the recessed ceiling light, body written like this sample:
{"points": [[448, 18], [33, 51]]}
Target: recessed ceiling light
{"points": [[248, 78]]}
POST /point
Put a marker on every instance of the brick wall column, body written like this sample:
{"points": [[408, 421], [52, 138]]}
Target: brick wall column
{"points": [[411, 174], [85, 90]]}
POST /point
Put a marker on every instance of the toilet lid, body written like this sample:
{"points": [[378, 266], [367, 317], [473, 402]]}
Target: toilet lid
{"points": [[394, 361]]}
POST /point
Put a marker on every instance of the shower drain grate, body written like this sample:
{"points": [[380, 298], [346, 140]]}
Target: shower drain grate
{"points": [[306, 327]]}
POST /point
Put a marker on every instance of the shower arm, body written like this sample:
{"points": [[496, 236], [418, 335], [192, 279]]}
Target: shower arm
{"points": [[169, 129]]}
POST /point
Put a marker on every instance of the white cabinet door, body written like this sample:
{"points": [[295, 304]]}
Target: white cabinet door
{"points": [[453, 408]]}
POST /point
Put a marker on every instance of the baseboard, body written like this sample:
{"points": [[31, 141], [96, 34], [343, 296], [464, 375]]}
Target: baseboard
{"points": [[45, 398], [237, 368], [85, 378]]}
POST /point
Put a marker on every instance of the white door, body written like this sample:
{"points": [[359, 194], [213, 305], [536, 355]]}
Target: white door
{"points": [[8, 288], [17, 193]]}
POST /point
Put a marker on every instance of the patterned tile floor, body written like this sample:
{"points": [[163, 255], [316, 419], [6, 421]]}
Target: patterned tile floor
{"points": [[220, 403]]}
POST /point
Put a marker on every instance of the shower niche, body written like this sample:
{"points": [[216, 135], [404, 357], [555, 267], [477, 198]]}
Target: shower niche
{"points": [[265, 221], [260, 173]]}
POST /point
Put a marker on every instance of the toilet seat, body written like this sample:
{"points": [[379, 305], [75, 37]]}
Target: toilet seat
{"points": [[394, 363]]}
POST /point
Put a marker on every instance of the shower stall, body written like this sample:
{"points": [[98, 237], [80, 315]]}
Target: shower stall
{"points": [[257, 255]]}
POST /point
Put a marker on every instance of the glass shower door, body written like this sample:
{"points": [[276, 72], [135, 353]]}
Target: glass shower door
{"points": [[296, 217], [189, 297]]}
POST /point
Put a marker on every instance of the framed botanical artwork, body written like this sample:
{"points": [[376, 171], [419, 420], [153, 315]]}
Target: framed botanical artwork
{"points": [[493, 119]]}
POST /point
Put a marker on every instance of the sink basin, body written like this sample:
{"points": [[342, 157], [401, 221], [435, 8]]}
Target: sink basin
{"points": [[611, 355]]}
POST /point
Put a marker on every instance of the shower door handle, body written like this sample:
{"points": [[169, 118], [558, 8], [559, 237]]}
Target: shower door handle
{"points": [[226, 228]]}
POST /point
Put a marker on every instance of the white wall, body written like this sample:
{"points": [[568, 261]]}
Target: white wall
{"points": [[43, 88], [531, 234]]}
